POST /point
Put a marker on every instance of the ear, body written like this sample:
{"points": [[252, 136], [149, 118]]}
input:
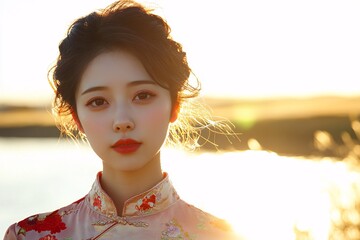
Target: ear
{"points": [[76, 120], [174, 112]]}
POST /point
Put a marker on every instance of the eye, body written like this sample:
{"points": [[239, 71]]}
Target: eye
{"points": [[143, 96], [97, 102]]}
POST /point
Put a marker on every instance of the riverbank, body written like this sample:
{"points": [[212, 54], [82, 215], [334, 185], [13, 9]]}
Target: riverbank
{"points": [[286, 126]]}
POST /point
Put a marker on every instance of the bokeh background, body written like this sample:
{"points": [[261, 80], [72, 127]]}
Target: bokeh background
{"points": [[285, 73]]}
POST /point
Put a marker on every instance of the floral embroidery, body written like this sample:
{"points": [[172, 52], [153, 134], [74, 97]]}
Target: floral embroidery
{"points": [[97, 202], [51, 222], [147, 203], [158, 196], [49, 237], [174, 232], [85, 218]]}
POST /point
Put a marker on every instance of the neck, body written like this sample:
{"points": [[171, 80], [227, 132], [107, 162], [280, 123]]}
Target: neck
{"points": [[122, 185]]}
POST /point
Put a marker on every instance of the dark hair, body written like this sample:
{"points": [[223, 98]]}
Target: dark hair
{"points": [[126, 25], [123, 25]]}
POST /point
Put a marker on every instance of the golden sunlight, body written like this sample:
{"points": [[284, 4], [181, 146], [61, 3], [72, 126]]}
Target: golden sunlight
{"points": [[267, 196], [257, 61], [263, 195], [237, 49]]}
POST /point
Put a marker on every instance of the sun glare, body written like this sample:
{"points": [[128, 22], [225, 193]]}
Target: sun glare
{"points": [[261, 194], [266, 196]]}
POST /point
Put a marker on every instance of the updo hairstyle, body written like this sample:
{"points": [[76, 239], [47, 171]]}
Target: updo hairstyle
{"points": [[125, 25]]}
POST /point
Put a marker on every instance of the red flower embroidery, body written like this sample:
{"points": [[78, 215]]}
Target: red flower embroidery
{"points": [[49, 237], [51, 222], [146, 203], [97, 202]]}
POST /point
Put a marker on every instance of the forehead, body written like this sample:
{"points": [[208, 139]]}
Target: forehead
{"points": [[114, 67]]}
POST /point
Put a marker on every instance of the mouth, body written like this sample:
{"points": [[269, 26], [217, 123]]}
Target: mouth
{"points": [[126, 146]]}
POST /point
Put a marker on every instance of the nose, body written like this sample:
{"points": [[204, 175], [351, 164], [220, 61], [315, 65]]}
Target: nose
{"points": [[122, 122], [123, 126]]}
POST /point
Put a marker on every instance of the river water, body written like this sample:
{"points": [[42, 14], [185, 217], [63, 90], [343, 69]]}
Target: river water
{"points": [[263, 195]]}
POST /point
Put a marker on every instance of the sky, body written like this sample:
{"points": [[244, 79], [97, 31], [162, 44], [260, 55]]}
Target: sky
{"points": [[246, 49]]}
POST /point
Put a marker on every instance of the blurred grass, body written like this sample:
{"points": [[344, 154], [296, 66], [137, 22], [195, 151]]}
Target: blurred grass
{"points": [[344, 193], [242, 111], [286, 126], [16, 116], [247, 110]]}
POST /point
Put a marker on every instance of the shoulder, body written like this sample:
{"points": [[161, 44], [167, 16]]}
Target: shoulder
{"points": [[43, 224], [208, 218], [207, 224], [10, 233]]}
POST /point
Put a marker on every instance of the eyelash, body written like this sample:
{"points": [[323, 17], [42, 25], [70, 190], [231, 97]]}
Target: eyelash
{"points": [[147, 93], [92, 101]]}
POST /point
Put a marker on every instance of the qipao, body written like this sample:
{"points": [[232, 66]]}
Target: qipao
{"points": [[158, 213]]}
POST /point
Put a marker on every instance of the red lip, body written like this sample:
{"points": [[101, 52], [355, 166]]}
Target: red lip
{"points": [[126, 146]]}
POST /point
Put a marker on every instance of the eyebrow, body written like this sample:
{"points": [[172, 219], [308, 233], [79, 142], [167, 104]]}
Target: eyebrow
{"points": [[130, 84]]}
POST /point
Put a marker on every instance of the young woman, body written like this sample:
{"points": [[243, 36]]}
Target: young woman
{"points": [[122, 81]]}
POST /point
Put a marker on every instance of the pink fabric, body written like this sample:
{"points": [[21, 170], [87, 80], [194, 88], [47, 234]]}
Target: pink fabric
{"points": [[158, 213]]}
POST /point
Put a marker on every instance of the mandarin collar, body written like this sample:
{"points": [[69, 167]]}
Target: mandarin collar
{"points": [[154, 200]]}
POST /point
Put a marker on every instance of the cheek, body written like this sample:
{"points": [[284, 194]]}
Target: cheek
{"points": [[157, 118], [92, 123]]}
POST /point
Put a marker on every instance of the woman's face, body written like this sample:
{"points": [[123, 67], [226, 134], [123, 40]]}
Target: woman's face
{"points": [[123, 112]]}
